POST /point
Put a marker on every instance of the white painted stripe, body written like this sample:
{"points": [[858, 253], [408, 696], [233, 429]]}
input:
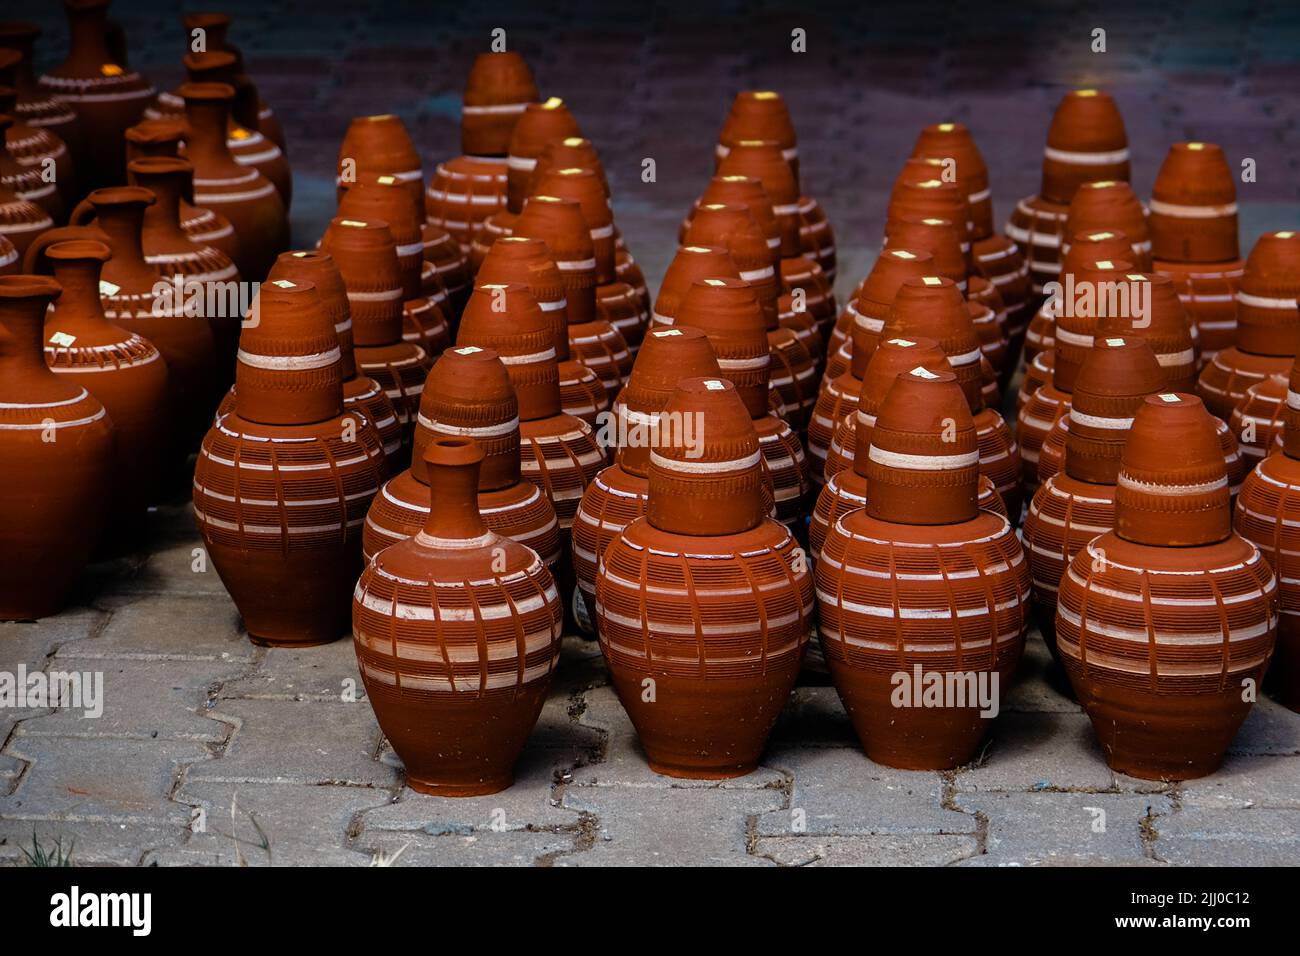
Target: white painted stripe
{"points": [[922, 462], [1105, 158], [704, 467], [1180, 211], [289, 363]]}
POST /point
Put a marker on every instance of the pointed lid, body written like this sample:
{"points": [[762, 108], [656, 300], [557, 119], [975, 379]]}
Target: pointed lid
{"points": [[746, 191], [527, 261], [584, 187], [559, 223], [1097, 289], [1109, 204], [732, 226], [706, 472], [497, 89], [692, 262], [1117, 376], [385, 199], [764, 161], [290, 367], [366, 257], [932, 198], [892, 268], [953, 141], [923, 460], [726, 310], [539, 125], [1093, 245], [1085, 142], [760, 115], [666, 357], [1268, 319], [892, 357], [1164, 327], [468, 393], [1172, 489], [570, 152], [379, 143], [318, 268], [1194, 206], [932, 307], [452, 466], [939, 237], [506, 318]]}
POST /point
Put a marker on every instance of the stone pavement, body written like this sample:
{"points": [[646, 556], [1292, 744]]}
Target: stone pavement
{"points": [[212, 751]]}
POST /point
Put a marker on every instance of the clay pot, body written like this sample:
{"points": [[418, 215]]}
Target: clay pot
{"points": [[726, 311], [920, 193], [1073, 506], [385, 200], [617, 496], [1194, 206], [375, 146], [931, 307], [499, 88], [528, 262], [366, 257], [27, 150], [468, 395], [732, 227], [124, 371], [282, 484], [739, 191], [1263, 516], [1258, 419], [1086, 247], [1268, 324], [939, 237], [953, 141], [240, 193], [568, 152], [1142, 625], [457, 701], [1165, 328], [203, 226], [1000, 260], [56, 442], [35, 107], [872, 301], [921, 516], [1110, 205], [559, 453], [1038, 372], [593, 340], [759, 115], [361, 393], [252, 111], [106, 94], [463, 193], [1085, 143], [690, 263], [539, 125], [705, 596], [583, 187]]}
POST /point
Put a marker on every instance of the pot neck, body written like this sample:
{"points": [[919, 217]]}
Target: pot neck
{"points": [[208, 120], [88, 35], [80, 281], [22, 333], [165, 213], [453, 498]]}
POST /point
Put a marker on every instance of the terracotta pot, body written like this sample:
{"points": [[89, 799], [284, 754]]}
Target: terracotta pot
{"points": [[593, 340], [361, 393], [1168, 707], [617, 496], [255, 113], [106, 94], [931, 307], [468, 395], [21, 220], [539, 125], [764, 161], [528, 262], [27, 150], [583, 187], [457, 701], [463, 193], [726, 311], [568, 152], [57, 445], [1038, 373], [1208, 292], [203, 226], [1085, 143], [366, 257], [939, 237], [1258, 419], [921, 515], [498, 89], [1101, 244], [1110, 205], [872, 301], [559, 453], [1263, 516], [289, 442], [953, 141], [1165, 328], [1268, 324], [36, 107], [690, 263], [759, 115], [1000, 260], [124, 371], [845, 487], [732, 227], [739, 191], [1073, 506], [379, 145], [920, 193], [721, 665], [1194, 206], [385, 200], [993, 342], [240, 193]]}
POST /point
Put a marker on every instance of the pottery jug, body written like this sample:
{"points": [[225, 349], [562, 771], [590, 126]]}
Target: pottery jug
{"points": [[253, 112]]}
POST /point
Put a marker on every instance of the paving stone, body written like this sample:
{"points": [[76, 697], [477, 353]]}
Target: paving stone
{"points": [[98, 780], [326, 672], [1038, 751], [31, 642], [480, 848], [1201, 837], [1244, 782], [85, 844], [173, 567], [624, 763], [169, 627], [814, 716], [1037, 829], [310, 742], [270, 825], [145, 700], [839, 791], [1269, 728], [916, 849], [648, 826]]}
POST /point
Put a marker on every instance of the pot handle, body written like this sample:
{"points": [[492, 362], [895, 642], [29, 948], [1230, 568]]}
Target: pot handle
{"points": [[82, 214], [34, 262]]}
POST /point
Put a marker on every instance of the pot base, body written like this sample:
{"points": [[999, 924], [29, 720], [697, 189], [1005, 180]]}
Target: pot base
{"points": [[701, 773], [434, 788]]}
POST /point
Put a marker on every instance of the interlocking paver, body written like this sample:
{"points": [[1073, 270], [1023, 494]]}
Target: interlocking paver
{"points": [[1202, 837]]}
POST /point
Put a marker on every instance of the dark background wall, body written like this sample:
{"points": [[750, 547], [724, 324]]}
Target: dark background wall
{"points": [[655, 79]]}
